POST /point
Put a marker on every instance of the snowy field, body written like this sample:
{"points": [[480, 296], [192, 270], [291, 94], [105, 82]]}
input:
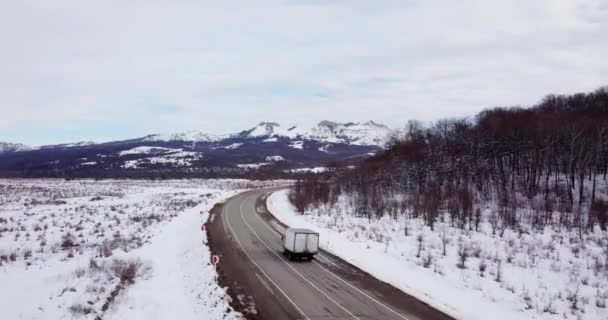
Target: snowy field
{"points": [[109, 249], [468, 274]]}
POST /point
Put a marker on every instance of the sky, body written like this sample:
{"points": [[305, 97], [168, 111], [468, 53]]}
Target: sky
{"points": [[73, 70]]}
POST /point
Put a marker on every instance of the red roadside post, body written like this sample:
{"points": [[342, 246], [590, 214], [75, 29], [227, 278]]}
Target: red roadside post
{"points": [[215, 259]]}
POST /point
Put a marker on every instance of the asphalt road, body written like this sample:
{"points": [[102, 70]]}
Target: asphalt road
{"points": [[263, 284]]}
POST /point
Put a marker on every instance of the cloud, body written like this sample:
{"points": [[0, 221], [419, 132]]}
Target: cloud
{"points": [[222, 66]]}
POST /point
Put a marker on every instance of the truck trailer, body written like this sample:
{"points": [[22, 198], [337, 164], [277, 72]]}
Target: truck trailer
{"points": [[300, 243]]}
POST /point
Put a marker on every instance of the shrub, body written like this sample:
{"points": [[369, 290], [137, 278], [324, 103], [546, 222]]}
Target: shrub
{"points": [[498, 277], [79, 309], [601, 298], [105, 249], [463, 254], [126, 270], [67, 241], [482, 268], [427, 261]]}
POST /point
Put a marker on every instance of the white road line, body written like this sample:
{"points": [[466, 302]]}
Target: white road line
{"points": [[265, 223], [260, 268], [361, 292], [264, 283], [294, 269]]}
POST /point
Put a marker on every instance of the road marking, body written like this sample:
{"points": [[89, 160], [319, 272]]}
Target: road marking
{"points": [[264, 283], [260, 268], [265, 223], [361, 292], [292, 268], [277, 227], [224, 222]]}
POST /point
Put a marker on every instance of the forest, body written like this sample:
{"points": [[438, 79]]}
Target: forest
{"points": [[544, 165]]}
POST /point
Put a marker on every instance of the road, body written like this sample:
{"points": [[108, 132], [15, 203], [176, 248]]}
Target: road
{"points": [[263, 284]]}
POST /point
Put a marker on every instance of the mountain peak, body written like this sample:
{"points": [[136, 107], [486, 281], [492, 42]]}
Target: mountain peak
{"points": [[372, 123], [192, 135], [328, 125], [266, 128], [13, 147]]}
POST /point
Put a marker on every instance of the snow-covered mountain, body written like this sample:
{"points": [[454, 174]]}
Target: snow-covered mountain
{"points": [[368, 133], [13, 147], [267, 146], [193, 136], [67, 145]]}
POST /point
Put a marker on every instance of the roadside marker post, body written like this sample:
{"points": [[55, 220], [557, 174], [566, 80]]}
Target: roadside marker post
{"points": [[215, 259]]}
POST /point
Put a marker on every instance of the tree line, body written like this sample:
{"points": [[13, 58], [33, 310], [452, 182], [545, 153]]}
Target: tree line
{"points": [[537, 166]]}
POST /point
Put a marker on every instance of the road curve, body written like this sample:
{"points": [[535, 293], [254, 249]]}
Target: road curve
{"points": [[263, 284]]}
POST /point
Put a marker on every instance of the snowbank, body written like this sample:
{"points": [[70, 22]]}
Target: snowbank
{"points": [[182, 284]]}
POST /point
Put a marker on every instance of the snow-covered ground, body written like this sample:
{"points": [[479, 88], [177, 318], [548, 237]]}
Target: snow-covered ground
{"points": [[252, 165], [314, 170], [147, 150], [173, 157], [117, 249], [540, 275]]}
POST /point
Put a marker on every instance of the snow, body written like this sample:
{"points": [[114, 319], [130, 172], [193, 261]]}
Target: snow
{"points": [[192, 135], [368, 133], [252, 165], [88, 163], [233, 146], [147, 150], [314, 170], [13, 147], [324, 148], [182, 285], [63, 245], [297, 145], [78, 144], [540, 277], [275, 158], [173, 157], [66, 145], [272, 129]]}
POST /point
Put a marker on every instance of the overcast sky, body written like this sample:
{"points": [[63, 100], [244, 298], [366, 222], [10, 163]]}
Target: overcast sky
{"points": [[103, 70]]}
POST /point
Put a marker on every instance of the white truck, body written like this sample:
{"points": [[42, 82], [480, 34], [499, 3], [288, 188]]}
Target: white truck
{"points": [[300, 243]]}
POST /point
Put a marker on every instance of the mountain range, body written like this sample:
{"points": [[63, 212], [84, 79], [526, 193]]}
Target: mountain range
{"points": [[266, 147]]}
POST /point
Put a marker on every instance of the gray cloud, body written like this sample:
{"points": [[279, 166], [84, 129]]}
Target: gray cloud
{"points": [[218, 64]]}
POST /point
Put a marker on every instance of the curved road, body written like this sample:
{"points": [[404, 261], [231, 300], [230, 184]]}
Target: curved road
{"points": [[265, 285]]}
